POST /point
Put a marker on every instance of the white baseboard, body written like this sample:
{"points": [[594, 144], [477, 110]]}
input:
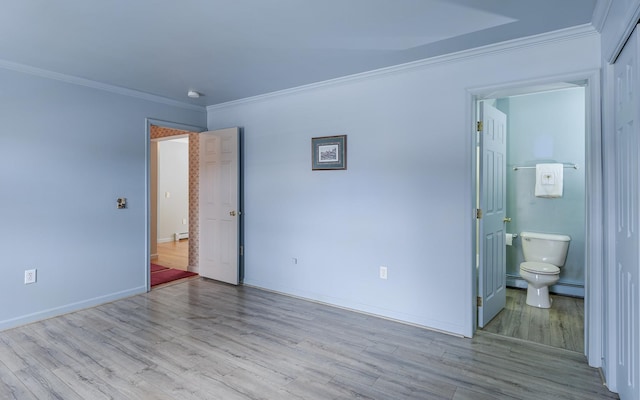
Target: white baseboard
{"points": [[64, 309]]}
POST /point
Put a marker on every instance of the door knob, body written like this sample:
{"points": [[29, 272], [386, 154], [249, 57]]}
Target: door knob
{"points": [[506, 219], [232, 213]]}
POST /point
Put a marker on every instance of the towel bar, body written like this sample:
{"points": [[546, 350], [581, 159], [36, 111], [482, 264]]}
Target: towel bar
{"points": [[574, 166]]}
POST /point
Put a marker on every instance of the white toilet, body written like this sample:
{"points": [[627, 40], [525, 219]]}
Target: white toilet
{"points": [[544, 254]]}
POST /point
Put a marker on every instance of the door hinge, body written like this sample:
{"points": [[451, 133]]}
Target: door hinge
{"points": [[478, 213], [479, 126], [241, 250], [479, 301]]}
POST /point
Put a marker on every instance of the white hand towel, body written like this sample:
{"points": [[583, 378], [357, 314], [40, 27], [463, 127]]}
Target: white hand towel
{"points": [[549, 180]]}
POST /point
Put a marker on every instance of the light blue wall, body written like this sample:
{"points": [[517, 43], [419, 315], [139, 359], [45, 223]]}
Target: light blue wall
{"points": [[66, 153], [547, 127], [404, 202]]}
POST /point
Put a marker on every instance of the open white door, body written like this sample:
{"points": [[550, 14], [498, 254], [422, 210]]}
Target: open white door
{"points": [[492, 258], [627, 209], [219, 205]]}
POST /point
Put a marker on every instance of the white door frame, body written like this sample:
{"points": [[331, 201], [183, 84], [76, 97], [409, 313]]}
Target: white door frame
{"points": [[595, 271], [147, 179]]}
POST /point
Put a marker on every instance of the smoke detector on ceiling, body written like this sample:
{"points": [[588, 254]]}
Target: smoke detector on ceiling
{"points": [[193, 94]]}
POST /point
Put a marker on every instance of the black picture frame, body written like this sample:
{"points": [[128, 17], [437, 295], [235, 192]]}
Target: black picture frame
{"points": [[329, 153]]}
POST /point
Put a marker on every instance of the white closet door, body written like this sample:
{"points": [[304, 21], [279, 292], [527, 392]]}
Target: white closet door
{"points": [[627, 209]]}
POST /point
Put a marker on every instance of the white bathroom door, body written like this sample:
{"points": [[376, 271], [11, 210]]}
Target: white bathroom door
{"points": [[492, 251], [219, 251], [627, 209]]}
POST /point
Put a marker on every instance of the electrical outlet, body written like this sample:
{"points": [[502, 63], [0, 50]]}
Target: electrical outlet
{"points": [[29, 276], [383, 272]]}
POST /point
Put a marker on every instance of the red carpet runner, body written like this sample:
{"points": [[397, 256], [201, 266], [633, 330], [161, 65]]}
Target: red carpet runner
{"points": [[160, 274]]}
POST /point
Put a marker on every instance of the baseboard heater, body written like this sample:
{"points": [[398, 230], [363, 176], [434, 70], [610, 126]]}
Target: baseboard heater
{"points": [[183, 235], [563, 288]]}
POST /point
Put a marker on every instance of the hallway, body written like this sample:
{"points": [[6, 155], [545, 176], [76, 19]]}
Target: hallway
{"points": [[173, 254]]}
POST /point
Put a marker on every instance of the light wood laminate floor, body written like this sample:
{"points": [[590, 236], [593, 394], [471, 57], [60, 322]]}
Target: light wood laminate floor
{"points": [[562, 325], [206, 340], [173, 254]]}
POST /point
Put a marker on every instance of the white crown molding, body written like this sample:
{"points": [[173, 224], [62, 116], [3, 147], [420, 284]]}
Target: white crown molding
{"points": [[535, 40], [600, 13], [43, 73], [628, 22]]}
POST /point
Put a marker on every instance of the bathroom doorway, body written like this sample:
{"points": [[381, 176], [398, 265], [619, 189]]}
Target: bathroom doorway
{"points": [[545, 124]]}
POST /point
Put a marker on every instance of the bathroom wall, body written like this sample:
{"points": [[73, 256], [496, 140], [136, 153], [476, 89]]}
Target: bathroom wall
{"points": [[547, 127]]}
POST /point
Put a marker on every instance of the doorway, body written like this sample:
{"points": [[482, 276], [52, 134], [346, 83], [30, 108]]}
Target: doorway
{"points": [[547, 122], [157, 130], [172, 171]]}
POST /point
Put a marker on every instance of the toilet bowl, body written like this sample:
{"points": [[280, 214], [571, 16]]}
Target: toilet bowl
{"points": [[539, 277], [544, 254]]}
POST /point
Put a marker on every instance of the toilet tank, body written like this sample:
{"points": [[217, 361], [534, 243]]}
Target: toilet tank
{"points": [[545, 247]]}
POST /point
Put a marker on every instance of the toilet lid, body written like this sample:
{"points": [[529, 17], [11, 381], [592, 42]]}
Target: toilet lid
{"points": [[539, 268]]}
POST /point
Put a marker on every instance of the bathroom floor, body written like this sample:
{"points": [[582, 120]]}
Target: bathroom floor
{"points": [[561, 326]]}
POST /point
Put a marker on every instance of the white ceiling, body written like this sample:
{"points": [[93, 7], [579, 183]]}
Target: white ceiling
{"points": [[232, 49]]}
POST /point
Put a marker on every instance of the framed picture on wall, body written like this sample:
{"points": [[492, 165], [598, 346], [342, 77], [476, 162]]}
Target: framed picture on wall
{"points": [[329, 152]]}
